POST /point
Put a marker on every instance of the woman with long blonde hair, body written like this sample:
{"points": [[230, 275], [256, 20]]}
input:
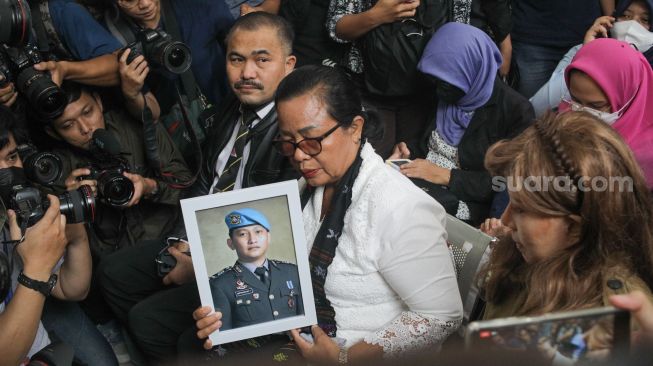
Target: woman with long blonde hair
{"points": [[580, 219]]}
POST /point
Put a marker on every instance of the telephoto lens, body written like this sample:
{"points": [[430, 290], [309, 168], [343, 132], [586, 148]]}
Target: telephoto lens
{"points": [[30, 204], [78, 205], [41, 92], [15, 22]]}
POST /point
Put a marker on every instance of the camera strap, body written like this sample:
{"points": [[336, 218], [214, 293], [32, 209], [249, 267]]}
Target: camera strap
{"points": [[119, 26], [187, 78], [46, 35]]}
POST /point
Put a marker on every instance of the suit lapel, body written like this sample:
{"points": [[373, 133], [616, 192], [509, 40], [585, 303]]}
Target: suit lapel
{"points": [[216, 141]]}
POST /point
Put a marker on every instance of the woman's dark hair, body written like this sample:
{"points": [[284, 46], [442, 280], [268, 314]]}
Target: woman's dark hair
{"points": [[335, 90]]}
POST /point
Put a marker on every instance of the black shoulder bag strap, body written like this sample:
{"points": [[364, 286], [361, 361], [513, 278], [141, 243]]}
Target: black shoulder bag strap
{"points": [[46, 35], [187, 78], [189, 84], [119, 27]]}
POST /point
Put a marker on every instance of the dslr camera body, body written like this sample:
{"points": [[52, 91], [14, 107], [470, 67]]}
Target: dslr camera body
{"points": [[159, 48], [106, 168], [30, 205], [114, 188], [42, 168], [17, 59]]}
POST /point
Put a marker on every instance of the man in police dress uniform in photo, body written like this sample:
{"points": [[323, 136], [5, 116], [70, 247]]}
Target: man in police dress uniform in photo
{"points": [[255, 289]]}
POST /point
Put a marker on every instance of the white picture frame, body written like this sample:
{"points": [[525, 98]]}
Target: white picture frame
{"points": [[195, 211]]}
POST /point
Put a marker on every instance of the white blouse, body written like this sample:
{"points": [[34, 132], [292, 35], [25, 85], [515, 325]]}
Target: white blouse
{"points": [[392, 282]]}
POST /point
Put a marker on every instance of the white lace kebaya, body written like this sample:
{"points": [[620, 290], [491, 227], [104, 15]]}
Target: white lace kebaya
{"points": [[392, 282]]}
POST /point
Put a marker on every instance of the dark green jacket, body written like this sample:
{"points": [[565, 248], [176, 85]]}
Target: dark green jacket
{"points": [[244, 300], [153, 217]]}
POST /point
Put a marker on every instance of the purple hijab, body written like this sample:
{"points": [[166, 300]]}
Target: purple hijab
{"points": [[466, 57]]}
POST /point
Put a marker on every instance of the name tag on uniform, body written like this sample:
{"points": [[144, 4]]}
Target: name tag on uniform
{"points": [[244, 292]]}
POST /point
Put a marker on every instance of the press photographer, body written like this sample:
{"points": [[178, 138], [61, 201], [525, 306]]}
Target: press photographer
{"points": [[182, 41], [106, 149], [48, 257], [43, 38]]}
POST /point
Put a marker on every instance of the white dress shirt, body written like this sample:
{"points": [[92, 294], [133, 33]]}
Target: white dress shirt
{"points": [[226, 152]]}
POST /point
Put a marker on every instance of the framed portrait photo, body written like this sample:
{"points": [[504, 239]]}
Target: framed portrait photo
{"points": [[250, 259]]}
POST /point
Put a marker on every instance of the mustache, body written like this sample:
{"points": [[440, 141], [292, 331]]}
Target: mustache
{"points": [[240, 83]]}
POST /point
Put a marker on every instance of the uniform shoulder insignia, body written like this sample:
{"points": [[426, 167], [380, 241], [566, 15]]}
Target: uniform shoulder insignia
{"points": [[277, 262], [223, 271]]}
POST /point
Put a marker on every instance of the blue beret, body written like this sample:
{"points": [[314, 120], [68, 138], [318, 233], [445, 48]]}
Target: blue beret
{"points": [[246, 217]]}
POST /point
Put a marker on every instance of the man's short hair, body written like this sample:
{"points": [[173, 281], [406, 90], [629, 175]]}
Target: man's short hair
{"points": [[73, 92], [259, 19]]}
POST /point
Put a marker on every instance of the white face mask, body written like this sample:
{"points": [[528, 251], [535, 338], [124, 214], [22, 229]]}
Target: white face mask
{"points": [[607, 117], [631, 31]]}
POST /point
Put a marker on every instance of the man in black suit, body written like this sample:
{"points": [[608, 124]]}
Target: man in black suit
{"points": [[238, 153]]}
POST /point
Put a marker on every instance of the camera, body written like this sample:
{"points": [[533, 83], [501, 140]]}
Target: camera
{"points": [[41, 167], [158, 48], [15, 22], [113, 188], [29, 204], [17, 65], [107, 167]]}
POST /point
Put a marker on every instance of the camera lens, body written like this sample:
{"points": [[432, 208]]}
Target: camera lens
{"points": [[42, 93], [115, 188], [15, 22], [78, 205], [44, 168], [174, 56], [51, 100]]}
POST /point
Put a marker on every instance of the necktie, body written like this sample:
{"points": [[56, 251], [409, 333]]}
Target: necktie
{"points": [[262, 274], [228, 177]]}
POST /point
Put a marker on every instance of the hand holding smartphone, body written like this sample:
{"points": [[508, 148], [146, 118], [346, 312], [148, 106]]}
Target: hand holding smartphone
{"points": [[397, 163]]}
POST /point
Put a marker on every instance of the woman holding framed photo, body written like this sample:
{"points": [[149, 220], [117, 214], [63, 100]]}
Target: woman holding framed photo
{"points": [[383, 279]]}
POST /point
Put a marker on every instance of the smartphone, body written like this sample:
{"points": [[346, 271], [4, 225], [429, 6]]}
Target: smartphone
{"points": [[397, 163], [577, 337]]}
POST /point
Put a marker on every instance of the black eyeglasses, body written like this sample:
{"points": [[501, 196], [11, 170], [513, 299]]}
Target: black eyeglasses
{"points": [[311, 146]]}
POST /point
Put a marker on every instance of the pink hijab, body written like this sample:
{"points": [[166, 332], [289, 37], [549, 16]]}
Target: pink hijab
{"points": [[622, 72]]}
